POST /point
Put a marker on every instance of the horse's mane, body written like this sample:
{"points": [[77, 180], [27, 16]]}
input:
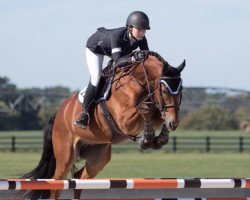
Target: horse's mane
{"points": [[155, 54]]}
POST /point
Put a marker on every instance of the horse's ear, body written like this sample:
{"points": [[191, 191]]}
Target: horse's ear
{"points": [[165, 68], [182, 65]]}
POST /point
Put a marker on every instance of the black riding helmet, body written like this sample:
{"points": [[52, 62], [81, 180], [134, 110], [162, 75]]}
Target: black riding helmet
{"points": [[138, 19]]}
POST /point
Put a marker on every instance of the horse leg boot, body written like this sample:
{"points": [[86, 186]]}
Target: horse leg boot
{"points": [[162, 138], [147, 140], [84, 118]]}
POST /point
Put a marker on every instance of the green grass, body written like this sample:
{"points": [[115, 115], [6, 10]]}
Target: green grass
{"points": [[160, 164], [147, 164], [186, 133], [21, 133], [16, 164], [212, 133], [154, 164]]}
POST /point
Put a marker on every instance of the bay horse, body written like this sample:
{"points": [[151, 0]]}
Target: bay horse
{"points": [[144, 96]]}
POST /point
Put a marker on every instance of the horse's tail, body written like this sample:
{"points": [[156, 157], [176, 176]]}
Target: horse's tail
{"points": [[46, 166]]}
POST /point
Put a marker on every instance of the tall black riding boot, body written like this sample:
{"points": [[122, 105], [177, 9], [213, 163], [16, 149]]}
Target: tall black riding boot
{"points": [[84, 119]]}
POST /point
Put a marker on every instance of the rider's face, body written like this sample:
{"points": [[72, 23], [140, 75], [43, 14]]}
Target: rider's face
{"points": [[138, 33]]}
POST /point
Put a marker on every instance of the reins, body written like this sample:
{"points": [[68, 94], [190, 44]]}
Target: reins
{"points": [[151, 94], [129, 70]]}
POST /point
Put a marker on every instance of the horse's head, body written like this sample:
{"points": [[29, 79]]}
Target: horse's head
{"points": [[170, 94], [152, 82]]}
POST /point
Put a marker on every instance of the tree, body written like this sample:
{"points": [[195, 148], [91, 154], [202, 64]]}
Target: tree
{"points": [[8, 118], [242, 116], [27, 109], [4, 80], [209, 117], [5, 84], [46, 112]]}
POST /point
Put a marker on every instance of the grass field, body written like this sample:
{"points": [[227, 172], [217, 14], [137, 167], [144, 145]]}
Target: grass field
{"points": [[154, 164], [189, 133], [147, 164]]}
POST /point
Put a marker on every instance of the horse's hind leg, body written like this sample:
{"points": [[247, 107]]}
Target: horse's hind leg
{"points": [[96, 156], [65, 155]]}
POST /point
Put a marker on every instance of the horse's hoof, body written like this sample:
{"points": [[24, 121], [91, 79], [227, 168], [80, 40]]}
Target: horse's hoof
{"points": [[162, 139], [156, 146], [144, 144]]}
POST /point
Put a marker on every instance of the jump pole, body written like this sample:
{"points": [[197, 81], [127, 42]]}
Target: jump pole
{"points": [[141, 188]]}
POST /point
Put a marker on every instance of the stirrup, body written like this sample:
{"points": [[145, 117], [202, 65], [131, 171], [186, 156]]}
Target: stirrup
{"points": [[83, 121]]}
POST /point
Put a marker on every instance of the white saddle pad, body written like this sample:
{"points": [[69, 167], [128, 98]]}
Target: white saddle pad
{"points": [[81, 95]]}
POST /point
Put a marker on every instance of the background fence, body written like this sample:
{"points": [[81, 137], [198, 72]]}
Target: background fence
{"points": [[176, 144]]}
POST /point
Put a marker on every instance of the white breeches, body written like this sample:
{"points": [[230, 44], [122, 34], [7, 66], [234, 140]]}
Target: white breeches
{"points": [[94, 62]]}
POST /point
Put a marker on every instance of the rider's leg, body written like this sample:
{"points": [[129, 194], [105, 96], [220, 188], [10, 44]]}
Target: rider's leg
{"points": [[94, 62], [89, 96]]}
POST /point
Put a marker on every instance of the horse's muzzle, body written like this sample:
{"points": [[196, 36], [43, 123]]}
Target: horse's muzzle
{"points": [[171, 125]]}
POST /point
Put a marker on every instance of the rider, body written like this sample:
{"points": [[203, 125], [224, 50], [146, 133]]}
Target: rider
{"points": [[114, 43]]}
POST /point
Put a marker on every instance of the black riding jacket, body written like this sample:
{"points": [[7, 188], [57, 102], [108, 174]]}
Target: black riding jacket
{"points": [[114, 43]]}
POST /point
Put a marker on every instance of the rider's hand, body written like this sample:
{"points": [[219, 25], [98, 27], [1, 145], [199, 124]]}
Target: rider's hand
{"points": [[138, 56]]}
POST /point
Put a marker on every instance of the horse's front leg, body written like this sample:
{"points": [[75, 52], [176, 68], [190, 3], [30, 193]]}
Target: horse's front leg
{"points": [[147, 140], [162, 138]]}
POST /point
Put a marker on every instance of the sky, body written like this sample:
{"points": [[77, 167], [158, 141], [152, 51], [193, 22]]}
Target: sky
{"points": [[42, 42]]}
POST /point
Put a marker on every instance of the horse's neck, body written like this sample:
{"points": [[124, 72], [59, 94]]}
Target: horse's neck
{"points": [[141, 79], [128, 91]]}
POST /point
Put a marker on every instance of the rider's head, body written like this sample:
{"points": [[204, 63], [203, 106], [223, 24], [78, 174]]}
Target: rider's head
{"points": [[137, 24]]}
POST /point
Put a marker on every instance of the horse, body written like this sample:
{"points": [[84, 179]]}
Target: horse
{"points": [[144, 96]]}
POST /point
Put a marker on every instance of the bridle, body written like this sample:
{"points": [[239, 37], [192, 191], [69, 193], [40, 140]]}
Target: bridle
{"points": [[151, 92], [149, 100]]}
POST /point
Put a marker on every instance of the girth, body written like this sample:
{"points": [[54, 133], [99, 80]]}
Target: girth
{"points": [[117, 134]]}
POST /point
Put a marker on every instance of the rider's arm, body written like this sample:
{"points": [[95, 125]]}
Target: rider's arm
{"points": [[116, 40], [124, 61], [138, 56], [116, 50], [119, 60]]}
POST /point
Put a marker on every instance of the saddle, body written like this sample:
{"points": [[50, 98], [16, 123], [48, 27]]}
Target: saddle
{"points": [[107, 75], [104, 87], [103, 91]]}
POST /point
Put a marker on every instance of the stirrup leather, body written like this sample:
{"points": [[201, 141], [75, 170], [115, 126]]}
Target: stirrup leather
{"points": [[83, 121]]}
